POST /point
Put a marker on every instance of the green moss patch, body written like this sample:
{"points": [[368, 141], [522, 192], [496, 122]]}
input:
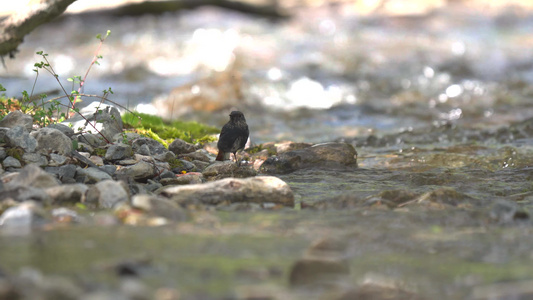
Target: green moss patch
{"points": [[165, 132]]}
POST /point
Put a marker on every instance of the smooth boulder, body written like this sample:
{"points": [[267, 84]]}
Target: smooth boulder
{"points": [[261, 189]]}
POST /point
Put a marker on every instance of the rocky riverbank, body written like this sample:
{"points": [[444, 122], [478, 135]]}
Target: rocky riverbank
{"points": [[42, 169]]}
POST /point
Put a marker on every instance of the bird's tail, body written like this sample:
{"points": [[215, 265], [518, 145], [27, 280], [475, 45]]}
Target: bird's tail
{"points": [[221, 156]]}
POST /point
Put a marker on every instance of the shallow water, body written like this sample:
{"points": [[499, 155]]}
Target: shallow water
{"points": [[436, 105]]}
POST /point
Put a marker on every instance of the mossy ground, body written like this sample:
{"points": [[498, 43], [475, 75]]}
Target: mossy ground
{"points": [[165, 132]]}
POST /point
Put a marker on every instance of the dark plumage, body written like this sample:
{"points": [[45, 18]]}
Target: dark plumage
{"points": [[233, 136]]}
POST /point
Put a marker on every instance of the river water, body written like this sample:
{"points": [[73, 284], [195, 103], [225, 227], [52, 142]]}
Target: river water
{"points": [[437, 105]]}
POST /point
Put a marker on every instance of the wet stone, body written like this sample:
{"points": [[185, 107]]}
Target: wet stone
{"points": [[506, 212], [318, 271], [259, 189], [65, 215], [159, 206], [327, 155]]}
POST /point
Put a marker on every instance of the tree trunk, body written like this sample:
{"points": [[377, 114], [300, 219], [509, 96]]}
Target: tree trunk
{"points": [[14, 27]]}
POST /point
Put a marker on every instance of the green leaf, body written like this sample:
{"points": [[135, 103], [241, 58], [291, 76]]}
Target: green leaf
{"points": [[70, 79], [2, 88], [39, 52], [75, 144], [99, 36]]}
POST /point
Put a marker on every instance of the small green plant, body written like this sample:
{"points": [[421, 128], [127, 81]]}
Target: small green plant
{"points": [[50, 111]]}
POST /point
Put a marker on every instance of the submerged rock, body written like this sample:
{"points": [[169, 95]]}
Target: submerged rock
{"points": [[327, 155], [159, 206], [259, 189]]}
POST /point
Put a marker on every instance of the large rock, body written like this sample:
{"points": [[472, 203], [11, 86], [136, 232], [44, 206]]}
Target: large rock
{"points": [[107, 194], [179, 146], [261, 189], [17, 118], [226, 169], [327, 155], [140, 171], [51, 140], [18, 136]]}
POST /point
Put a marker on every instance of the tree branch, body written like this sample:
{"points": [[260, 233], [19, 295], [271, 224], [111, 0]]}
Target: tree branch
{"points": [[16, 26]]}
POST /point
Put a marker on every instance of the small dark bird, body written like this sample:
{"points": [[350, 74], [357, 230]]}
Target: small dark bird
{"points": [[233, 136]]}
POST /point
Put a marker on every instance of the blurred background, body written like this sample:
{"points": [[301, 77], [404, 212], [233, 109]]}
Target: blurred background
{"points": [[309, 71]]}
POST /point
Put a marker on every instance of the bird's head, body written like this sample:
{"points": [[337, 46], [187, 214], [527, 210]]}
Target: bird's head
{"points": [[236, 116]]}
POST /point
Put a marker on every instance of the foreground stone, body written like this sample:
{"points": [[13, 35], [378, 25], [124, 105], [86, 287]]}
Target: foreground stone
{"points": [[226, 169], [261, 189], [327, 155]]}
